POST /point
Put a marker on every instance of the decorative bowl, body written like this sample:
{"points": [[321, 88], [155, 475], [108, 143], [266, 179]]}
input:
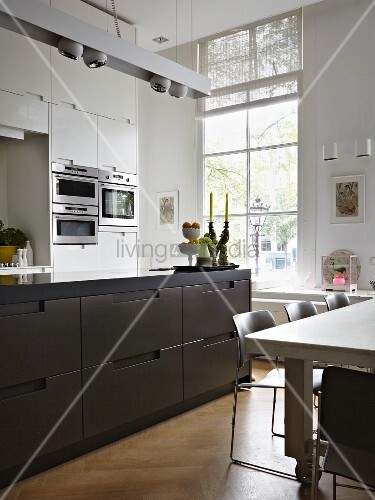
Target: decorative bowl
{"points": [[190, 233]]}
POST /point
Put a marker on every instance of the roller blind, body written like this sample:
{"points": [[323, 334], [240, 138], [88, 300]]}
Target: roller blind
{"points": [[250, 65]]}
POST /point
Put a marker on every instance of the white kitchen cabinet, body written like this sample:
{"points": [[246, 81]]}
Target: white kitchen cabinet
{"points": [[25, 66], [74, 136], [75, 258], [117, 145], [102, 91], [18, 112], [117, 250]]}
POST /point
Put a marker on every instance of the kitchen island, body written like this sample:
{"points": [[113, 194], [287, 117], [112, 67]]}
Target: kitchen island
{"points": [[88, 361]]}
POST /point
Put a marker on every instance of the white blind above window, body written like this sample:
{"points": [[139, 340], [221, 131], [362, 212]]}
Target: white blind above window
{"points": [[252, 64]]}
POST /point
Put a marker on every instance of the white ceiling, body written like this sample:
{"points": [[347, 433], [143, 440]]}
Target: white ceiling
{"points": [[195, 18]]}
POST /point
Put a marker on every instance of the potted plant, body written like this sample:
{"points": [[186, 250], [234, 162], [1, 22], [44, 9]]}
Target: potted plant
{"points": [[10, 240]]}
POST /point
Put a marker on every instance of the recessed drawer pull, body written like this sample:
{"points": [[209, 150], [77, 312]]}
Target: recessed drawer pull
{"points": [[135, 296], [23, 389], [23, 308], [217, 287], [217, 339], [136, 360]]}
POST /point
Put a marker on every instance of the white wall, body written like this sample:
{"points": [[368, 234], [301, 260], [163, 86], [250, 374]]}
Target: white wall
{"points": [[167, 162], [341, 69]]}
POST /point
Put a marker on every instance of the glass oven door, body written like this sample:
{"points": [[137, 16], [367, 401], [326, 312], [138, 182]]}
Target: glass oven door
{"points": [[74, 189], [75, 230], [117, 205]]}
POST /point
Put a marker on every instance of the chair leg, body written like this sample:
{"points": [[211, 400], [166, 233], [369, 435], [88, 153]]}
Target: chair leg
{"points": [[273, 416], [234, 414]]}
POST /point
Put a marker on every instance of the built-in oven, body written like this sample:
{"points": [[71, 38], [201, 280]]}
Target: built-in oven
{"points": [[73, 184], [74, 224], [117, 199]]}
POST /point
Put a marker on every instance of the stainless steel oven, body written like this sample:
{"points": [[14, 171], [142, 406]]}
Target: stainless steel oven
{"points": [[73, 184], [117, 199], [74, 224]]}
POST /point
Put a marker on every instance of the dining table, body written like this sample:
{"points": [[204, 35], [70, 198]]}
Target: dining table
{"points": [[344, 336]]}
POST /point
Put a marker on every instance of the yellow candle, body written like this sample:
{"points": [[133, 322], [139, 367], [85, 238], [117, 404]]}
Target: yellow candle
{"points": [[210, 207], [226, 208]]}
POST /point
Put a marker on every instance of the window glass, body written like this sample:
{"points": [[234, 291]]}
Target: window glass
{"points": [[273, 177], [274, 124], [226, 174], [225, 133]]}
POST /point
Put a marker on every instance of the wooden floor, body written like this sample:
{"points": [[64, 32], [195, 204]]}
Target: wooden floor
{"points": [[185, 458]]}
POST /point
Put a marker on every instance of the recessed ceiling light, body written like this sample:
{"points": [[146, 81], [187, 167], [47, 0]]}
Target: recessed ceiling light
{"points": [[160, 39]]}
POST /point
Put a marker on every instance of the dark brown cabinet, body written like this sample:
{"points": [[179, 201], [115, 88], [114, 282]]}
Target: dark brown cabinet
{"points": [[76, 373], [121, 325], [39, 339], [130, 389], [40, 353], [31, 422], [209, 308], [210, 349]]}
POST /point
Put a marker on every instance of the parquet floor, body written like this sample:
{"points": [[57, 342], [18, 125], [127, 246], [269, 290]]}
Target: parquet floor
{"points": [[184, 458]]}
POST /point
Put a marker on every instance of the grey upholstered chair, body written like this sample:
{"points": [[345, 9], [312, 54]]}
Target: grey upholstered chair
{"points": [[336, 300], [300, 310], [346, 423]]}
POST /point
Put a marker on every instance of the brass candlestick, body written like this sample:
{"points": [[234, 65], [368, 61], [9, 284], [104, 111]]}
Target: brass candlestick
{"points": [[222, 245]]}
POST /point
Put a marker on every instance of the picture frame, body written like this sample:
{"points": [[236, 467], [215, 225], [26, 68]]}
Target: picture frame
{"points": [[167, 210], [347, 199]]}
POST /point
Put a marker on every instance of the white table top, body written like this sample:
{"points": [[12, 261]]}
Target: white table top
{"points": [[346, 335]]}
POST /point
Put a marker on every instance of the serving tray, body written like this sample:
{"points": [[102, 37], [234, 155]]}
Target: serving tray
{"points": [[195, 269]]}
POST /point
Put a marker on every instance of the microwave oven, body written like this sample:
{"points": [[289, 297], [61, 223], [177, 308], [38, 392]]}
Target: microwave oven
{"points": [[75, 185], [74, 225]]}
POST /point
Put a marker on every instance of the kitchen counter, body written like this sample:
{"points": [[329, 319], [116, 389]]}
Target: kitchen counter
{"points": [[49, 286]]}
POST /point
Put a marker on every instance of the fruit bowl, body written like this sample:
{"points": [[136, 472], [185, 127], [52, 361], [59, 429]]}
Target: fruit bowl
{"points": [[191, 233], [189, 249]]}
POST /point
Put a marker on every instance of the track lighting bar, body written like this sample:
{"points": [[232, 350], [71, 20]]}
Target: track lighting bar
{"points": [[46, 24]]}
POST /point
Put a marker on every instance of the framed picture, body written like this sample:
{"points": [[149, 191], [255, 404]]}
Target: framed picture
{"points": [[167, 210], [347, 199]]}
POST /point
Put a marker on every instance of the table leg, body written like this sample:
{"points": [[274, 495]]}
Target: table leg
{"points": [[298, 414]]}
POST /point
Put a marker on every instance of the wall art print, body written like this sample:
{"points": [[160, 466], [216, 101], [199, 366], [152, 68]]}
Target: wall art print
{"points": [[347, 199], [167, 210]]}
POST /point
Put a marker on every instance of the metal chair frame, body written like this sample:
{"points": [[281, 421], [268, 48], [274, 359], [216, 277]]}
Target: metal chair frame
{"points": [[277, 374]]}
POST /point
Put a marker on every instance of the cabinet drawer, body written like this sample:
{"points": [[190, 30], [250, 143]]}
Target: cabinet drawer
{"points": [[39, 339], [131, 388], [209, 308], [209, 364], [127, 324], [28, 413]]}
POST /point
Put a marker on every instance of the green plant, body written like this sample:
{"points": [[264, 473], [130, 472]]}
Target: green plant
{"points": [[12, 237]]}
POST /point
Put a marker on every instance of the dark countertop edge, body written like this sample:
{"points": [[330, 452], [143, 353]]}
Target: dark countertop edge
{"points": [[63, 290]]}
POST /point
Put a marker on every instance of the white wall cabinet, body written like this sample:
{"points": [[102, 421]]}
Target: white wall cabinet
{"points": [[117, 145], [117, 250], [74, 136], [102, 91], [20, 113], [25, 66]]}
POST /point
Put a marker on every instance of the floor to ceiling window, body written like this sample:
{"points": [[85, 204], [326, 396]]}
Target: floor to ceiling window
{"points": [[250, 140]]}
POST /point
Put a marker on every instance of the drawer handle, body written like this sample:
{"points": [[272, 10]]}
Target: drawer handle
{"points": [[136, 360], [23, 308], [118, 298], [217, 287], [217, 339], [15, 391]]}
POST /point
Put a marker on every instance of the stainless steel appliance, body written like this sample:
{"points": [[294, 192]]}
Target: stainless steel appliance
{"points": [[117, 199], [73, 184], [74, 224]]}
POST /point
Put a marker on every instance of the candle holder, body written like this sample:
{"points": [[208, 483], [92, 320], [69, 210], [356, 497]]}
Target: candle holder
{"points": [[222, 245], [212, 248]]}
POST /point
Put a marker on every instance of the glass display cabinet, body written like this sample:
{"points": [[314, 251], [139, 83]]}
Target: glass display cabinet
{"points": [[340, 272]]}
